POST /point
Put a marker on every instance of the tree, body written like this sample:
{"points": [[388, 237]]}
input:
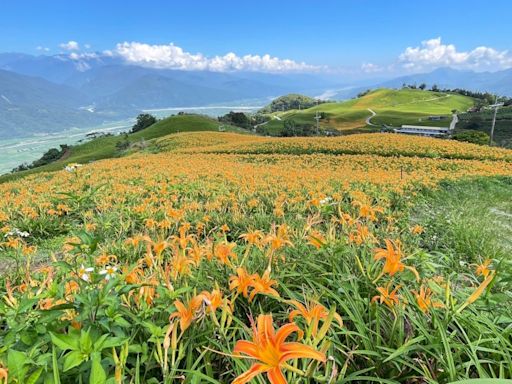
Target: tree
{"points": [[144, 120], [434, 88], [475, 137], [475, 122], [422, 86], [239, 119]]}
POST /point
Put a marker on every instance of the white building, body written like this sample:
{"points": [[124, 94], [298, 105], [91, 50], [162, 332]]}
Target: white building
{"points": [[423, 130]]}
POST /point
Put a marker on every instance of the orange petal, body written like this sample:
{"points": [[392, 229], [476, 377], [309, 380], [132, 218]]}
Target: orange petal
{"points": [[298, 351], [275, 376], [285, 331], [247, 376], [247, 347]]}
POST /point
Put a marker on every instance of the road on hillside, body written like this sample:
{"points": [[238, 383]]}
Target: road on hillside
{"points": [[368, 119], [455, 120]]}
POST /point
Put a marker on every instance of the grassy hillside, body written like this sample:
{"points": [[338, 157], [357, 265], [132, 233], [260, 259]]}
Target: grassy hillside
{"points": [[393, 107], [106, 147]]}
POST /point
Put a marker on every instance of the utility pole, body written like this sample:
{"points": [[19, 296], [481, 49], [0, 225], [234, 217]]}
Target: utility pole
{"points": [[496, 105], [317, 118]]}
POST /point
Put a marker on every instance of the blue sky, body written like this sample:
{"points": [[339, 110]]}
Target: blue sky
{"points": [[348, 35]]}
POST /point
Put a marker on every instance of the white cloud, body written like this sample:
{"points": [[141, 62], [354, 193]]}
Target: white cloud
{"points": [[70, 46], [371, 68], [433, 53], [170, 56], [43, 49]]}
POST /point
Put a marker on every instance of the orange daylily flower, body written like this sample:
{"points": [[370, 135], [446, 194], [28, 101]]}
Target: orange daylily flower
{"points": [[417, 230], [224, 252], [424, 300], [213, 299], [104, 259], [279, 239], [272, 351], [242, 281], [311, 312], [393, 254], [263, 285], [187, 313], [253, 238], [483, 269], [390, 298]]}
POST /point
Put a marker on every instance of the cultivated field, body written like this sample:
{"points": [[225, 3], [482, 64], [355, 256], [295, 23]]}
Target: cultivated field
{"points": [[234, 258]]}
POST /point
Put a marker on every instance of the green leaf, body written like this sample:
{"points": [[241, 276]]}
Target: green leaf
{"points": [[482, 381], [16, 362], [65, 342], [109, 343], [55, 367], [73, 359], [32, 379], [98, 375], [85, 342], [405, 348]]}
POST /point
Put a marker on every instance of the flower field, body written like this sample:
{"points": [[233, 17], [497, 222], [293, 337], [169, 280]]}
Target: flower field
{"points": [[228, 258]]}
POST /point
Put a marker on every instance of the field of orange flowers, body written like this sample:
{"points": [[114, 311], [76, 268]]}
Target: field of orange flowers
{"points": [[227, 258]]}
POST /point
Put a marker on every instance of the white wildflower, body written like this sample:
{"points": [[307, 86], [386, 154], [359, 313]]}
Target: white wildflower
{"points": [[109, 272], [85, 273]]}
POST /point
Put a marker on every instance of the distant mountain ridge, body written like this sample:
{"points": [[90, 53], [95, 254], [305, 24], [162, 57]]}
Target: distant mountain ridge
{"points": [[44, 93], [499, 82], [99, 88]]}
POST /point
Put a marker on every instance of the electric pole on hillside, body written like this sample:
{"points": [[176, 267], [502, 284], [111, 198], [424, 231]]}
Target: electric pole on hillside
{"points": [[317, 118], [496, 105]]}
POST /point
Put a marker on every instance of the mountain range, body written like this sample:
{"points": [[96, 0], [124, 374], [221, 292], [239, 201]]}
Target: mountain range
{"points": [[41, 94]]}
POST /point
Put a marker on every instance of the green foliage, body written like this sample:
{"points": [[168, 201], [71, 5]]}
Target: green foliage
{"points": [[475, 137], [292, 129], [53, 154], [289, 102], [144, 120], [238, 119]]}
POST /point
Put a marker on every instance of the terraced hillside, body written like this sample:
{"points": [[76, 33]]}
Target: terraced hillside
{"points": [[392, 107]]}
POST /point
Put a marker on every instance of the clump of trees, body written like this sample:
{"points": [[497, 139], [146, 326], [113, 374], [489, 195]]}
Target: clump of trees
{"points": [[144, 120], [291, 129], [475, 137], [53, 154], [238, 119], [291, 101]]}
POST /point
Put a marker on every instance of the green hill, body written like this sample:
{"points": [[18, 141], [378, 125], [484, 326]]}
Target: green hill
{"points": [[392, 107], [120, 145]]}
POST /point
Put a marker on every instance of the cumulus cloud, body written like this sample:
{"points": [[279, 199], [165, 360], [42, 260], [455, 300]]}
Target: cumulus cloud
{"points": [[371, 68], [170, 56], [70, 46], [433, 53]]}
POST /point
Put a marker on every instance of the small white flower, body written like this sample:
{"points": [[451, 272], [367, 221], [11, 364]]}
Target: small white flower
{"points": [[17, 232], [109, 272], [325, 201], [72, 167], [85, 273]]}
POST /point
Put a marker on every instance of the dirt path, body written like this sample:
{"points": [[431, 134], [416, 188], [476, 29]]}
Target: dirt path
{"points": [[369, 118]]}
